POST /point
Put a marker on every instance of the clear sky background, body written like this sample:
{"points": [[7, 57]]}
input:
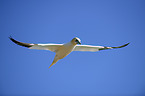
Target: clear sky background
{"points": [[118, 72]]}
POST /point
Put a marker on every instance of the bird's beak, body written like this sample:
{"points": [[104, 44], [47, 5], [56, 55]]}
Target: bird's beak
{"points": [[79, 43]]}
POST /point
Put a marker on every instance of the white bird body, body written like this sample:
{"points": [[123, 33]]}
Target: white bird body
{"points": [[62, 50]]}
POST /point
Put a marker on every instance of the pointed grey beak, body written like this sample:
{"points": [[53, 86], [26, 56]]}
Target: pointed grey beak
{"points": [[79, 43]]}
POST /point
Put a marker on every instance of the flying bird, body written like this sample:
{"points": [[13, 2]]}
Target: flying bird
{"points": [[62, 50]]}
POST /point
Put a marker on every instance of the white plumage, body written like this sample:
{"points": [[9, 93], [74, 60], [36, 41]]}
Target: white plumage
{"points": [[62, 50]]}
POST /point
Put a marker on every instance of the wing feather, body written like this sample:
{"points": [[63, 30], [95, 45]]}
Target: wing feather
{"points": [[94, 48], [50, 47]]}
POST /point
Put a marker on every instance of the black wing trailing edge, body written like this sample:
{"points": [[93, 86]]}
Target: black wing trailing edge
{"points": [[114, 47], [21, 43]]}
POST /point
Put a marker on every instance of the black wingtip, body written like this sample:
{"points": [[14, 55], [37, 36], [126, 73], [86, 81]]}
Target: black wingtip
{"points": [[13, 40], [20, 43], [125, 44], [121, 46]]}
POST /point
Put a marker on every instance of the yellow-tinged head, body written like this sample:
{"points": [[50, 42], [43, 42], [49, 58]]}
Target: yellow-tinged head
{"points": [[75, 41]]}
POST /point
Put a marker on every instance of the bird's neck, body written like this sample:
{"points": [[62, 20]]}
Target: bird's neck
{"points": [[70, 44]]}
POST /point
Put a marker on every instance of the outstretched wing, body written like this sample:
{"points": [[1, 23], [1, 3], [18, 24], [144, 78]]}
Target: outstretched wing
{"points": [[50, 47], [94, 48]]}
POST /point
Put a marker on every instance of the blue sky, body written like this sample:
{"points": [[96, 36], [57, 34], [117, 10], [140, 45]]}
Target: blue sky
{"points": [[119, 72]]}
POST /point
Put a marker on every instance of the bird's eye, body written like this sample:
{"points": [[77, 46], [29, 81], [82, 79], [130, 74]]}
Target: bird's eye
{"points": [[76, 40]]}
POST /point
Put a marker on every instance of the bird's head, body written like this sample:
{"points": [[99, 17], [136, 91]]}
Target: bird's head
{"points": [[76, 40]]}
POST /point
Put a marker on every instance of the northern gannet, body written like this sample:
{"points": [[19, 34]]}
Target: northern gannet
{"points": [[62, 50]]}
